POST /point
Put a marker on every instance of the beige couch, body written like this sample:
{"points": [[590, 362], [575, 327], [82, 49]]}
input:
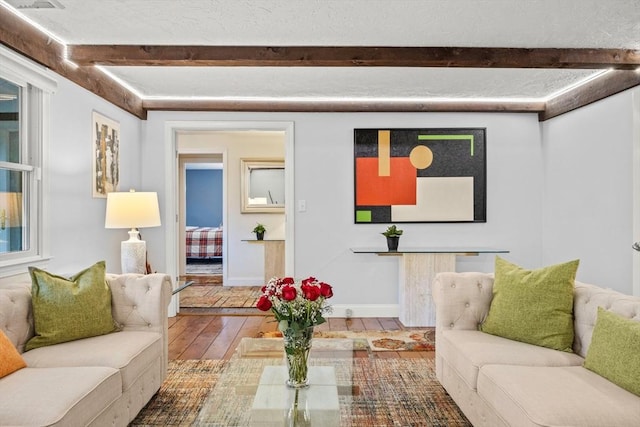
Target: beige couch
{"points": [[99, 381], [499, 382]]}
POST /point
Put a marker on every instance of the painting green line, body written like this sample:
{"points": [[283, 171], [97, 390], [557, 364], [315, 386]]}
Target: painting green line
{"points": [[447, 137]]}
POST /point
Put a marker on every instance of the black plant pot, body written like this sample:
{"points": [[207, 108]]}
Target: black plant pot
{"points": [[392, 243], [260, 235]]}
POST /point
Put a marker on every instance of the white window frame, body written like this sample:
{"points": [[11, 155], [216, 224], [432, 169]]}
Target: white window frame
{"points": [[37, 84]]}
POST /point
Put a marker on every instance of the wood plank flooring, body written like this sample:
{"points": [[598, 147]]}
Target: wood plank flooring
{"points": [[205, 336], [197, 335]]}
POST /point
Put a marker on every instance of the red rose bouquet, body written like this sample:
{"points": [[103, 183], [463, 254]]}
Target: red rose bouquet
{"points": [[296, 305]]}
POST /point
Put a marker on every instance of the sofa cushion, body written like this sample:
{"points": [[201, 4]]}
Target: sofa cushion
{"points": [[10, 360], [533, 306], [468, 351], [131, 352], [587, 299], [15, 315], [615, 350], [70, 309], [57, 396], [556, 396]]}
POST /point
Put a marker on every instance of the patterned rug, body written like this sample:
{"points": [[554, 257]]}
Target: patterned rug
{"points": [[423, 339], [386, 392]]}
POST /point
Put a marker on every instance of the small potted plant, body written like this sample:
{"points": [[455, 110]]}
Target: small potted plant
{"points": [[393, 236], [259, 230]]}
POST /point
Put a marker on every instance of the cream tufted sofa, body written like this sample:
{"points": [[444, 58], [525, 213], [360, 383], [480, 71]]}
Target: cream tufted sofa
{"points": [[98, 381], [499, 382]]}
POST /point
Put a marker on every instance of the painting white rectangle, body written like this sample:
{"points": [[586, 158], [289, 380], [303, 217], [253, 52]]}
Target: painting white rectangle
{"points": [[439, 199]]}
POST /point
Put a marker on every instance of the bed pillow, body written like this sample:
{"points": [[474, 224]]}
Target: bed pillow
{"points": [[70, 309], [10, 359], [533, 306], [614, 350]]}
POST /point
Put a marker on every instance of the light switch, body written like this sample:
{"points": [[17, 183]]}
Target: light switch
{"points": [[302, 205]]}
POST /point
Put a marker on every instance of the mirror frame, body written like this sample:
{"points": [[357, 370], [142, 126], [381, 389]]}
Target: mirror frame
{"points": [[246, 166]]}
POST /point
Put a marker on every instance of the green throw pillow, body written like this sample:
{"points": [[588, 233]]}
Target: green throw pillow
{"points": [[533, 306], [614, 350], [70, 309]]}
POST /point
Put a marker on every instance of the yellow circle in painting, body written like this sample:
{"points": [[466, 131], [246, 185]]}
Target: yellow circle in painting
{"points": [[421, 157]]}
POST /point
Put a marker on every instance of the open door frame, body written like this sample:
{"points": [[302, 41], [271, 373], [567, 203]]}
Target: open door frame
{"points": [[172, 234]]}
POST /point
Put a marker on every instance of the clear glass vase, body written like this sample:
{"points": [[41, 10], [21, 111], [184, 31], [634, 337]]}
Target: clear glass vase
{"points": [[297, 415], [297, 344]]}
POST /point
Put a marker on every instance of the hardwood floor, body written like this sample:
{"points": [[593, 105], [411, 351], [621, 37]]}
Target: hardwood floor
{"points": [[205, 336]]}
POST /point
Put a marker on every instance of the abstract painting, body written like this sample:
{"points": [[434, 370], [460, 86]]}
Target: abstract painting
{"points": [[420, 175], [106, 155]]}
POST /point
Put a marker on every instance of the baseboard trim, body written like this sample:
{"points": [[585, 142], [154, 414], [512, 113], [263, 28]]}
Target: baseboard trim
{"points": [[244, 281], [364, 310]]}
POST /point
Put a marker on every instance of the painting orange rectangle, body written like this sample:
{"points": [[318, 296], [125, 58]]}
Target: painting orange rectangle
{"points": [[399, 188]]}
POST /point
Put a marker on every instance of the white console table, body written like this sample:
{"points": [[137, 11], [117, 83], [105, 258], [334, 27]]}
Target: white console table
{"points": [[418, 267]]}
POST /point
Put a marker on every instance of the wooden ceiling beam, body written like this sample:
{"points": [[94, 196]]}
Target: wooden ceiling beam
{"points": [[342, 106], [609, 84], [32, 43], [352, 56]]}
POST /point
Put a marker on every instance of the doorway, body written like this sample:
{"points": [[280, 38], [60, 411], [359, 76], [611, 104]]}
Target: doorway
{"points": [[201, 191]]}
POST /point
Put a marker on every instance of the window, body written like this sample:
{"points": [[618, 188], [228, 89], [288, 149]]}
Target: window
{"points": [[14, 177], [24, 99]]}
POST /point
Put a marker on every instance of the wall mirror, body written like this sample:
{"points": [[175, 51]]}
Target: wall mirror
{"points": [[262, 183]]}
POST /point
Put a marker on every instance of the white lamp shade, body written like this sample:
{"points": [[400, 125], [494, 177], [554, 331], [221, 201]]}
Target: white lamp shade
{"points": [[132, 210]]}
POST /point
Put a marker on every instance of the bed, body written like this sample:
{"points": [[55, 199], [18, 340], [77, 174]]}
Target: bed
{"points": [[204, 242]]}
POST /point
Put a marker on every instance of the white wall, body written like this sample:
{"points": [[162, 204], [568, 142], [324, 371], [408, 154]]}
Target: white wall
{"points": [[77, 234], [588, 190], [582, 175], [324, 178]]}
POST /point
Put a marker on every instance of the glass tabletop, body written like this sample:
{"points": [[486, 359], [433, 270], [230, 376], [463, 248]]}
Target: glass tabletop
{"points": [[251, 389], [431, 250]]}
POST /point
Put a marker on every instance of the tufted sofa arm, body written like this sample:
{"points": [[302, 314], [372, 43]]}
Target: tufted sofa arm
{"points": [[462, 300], [140, 303]]}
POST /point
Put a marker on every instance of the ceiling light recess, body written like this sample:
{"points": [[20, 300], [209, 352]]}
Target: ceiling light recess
{"points": [[35, 4]]}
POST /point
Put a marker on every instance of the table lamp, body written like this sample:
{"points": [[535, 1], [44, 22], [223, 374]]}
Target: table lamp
{"points": [[132, 210]]}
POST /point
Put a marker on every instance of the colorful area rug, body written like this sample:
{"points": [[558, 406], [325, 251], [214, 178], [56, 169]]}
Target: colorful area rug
{"points": [[423, 339], [386, 392]]}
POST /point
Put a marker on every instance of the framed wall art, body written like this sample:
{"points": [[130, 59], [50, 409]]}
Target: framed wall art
{"points": [[106, 155], [420, 175]]}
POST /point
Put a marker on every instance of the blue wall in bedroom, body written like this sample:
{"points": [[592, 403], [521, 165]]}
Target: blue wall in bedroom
{"points": [[204, 197]]}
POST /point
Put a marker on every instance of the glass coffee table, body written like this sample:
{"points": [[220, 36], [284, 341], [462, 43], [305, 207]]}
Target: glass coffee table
{"points": [[251, 390]]}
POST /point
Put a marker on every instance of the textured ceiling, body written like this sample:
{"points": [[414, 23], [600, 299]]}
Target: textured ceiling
{"points": [[462, 23]]}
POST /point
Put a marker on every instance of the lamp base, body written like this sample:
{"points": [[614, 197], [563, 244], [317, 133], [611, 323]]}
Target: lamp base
{"points": [[133, 254]]}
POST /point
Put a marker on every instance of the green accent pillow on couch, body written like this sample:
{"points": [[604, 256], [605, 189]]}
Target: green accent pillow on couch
{"points": [[70, 309], [614, 352], [533, 306]]}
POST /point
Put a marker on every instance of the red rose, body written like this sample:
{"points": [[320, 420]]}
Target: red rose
{"points": [[288, 293], [288, 281], [326, 290], [264, 303], [309, 280], [311, 292]]}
